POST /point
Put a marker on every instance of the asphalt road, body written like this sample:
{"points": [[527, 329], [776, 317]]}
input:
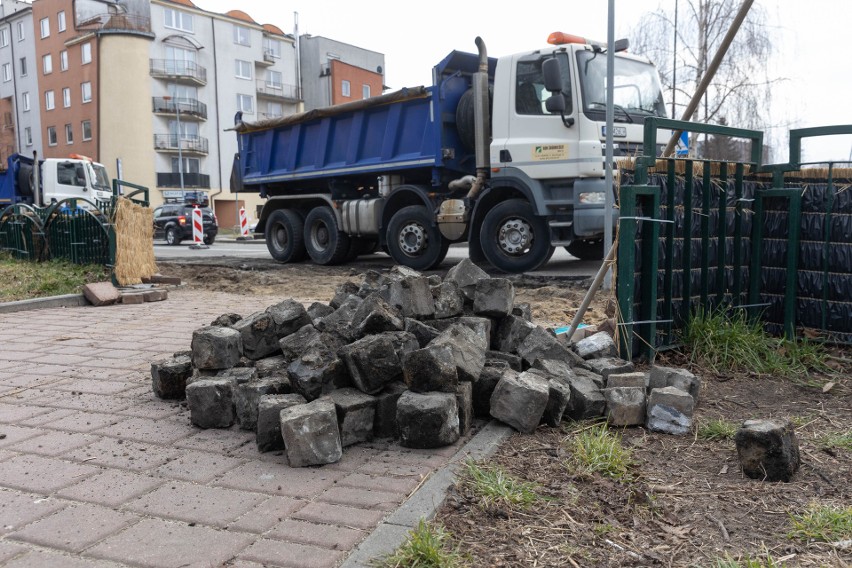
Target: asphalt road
{"points": [[561, 265]]}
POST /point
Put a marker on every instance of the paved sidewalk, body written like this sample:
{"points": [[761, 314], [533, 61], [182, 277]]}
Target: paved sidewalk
{"points": [[96, 471]]}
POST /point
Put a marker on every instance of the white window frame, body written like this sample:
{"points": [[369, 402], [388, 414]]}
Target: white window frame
{"points": [[66, 97], [365, 91], [25, 100], [49, 100], [23, 63], [272, 47], [63, 60], [7, 72], [242, 66], [4, 37], [177, 20], [22, 34], [47, 64], [241, 99], [86, 53], [84, 126], [69, 134], [87, 85], [242, 35], [345, 88], [44, 25], [270, 79], [277, 106], [51, 130], [28, 136], [60, 21]]}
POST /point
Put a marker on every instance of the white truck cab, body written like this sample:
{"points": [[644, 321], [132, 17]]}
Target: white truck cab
{"points": [[74, 177]]}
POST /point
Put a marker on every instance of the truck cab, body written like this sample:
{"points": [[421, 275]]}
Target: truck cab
{"points": [[74, 177]]}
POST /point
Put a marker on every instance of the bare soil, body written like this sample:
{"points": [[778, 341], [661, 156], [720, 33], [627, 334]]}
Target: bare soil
{"points": [[687, 502]]}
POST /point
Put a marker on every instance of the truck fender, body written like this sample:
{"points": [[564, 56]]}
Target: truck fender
{"points": [[300, 203], [403, 196]]}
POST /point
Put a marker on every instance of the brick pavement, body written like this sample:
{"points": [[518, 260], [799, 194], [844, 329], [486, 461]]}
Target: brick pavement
{"points": [[95, 471]]}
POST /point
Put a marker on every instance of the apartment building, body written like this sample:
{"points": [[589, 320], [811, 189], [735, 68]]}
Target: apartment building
{"points": [[149, 88], [20, 124]]}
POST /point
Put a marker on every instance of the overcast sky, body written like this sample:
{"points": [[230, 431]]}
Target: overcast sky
{"points": [[810, 41]]}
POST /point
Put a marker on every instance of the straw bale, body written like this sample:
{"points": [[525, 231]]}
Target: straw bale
{"points": [[134, 249]]}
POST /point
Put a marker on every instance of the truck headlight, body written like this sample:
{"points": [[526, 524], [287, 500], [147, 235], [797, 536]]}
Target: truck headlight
{"points": [[592, 198]]}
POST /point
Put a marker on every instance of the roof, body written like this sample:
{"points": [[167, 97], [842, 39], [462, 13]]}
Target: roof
{"points": [[184, 2], [273, 29], [240, 15]]}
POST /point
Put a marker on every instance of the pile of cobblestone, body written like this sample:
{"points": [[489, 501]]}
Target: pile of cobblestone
{"points": [[412, 357]]}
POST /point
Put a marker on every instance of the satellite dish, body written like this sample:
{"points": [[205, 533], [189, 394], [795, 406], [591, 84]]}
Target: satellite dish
{"points": [[379, 69]]}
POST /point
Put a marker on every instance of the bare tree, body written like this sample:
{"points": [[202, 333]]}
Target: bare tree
{"points": [[741, 89]]}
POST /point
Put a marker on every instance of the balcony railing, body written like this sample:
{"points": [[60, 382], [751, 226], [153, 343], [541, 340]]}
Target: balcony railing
{"points": [[176, 69], [191, 108], [278, 90], [191, 180], [116, 22], [189, 144]]}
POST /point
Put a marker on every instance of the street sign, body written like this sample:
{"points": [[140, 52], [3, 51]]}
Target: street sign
{"points": [[682, 148]]}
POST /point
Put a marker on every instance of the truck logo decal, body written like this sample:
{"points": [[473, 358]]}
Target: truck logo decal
{"points": [[547, 152]]}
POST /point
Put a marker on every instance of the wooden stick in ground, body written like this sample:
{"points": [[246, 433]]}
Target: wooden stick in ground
{"points": [[590, 295]]}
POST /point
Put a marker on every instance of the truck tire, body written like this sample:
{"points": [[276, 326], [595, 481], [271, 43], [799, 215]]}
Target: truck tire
{"points": [[414, 240], [323, 240], [586, 250], [284, 236], [25, 180], [513, 238]]}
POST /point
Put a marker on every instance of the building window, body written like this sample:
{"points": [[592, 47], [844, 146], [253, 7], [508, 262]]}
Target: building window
{"points": [[245, 103], [45, 27], [87, 92], [243, 69], [178, 20], [274, 110], [7, 72], [365, 91], [23, 66], [344, 88], [48, 100], [272, 47], [242, 35], [51, 136], [21, 31], [60, 21], [28, 136], [66, 97], [86, 52], [63, 60], [47, 64], [25, 101], [4, 37], [69, 134], [87, 129], [274, 79], [190, 165]]}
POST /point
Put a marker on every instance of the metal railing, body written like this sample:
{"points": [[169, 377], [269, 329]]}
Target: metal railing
{"points": [[116, 22], [187, 107], [176, 69], [171, 179], [278, 90], [169, 142]]}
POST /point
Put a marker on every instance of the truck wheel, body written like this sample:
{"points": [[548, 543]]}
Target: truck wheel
{"points": [[284, 237], [172, 237], [324, 242], [413, 239], [586, 250], [513, 238]]}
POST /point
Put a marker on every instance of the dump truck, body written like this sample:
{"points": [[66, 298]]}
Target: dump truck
{"points": [[505, 154], [54, 180]]}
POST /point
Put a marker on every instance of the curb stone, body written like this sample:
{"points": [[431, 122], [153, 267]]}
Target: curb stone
{"points": [[425, 501], [64, 301]]}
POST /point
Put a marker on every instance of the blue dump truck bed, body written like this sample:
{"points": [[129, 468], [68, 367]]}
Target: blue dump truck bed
{"points": [[13, 189], [412, 131]]}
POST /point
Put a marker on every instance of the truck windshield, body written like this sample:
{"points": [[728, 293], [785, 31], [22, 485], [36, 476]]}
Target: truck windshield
{"points": [[636, 88], [101, 178]]}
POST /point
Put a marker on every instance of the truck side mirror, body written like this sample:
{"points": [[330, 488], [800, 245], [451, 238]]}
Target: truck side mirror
{"points": [[555, 103], [552, 70]]}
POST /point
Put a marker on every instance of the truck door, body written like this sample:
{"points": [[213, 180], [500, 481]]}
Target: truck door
{"points": [[70, 181], [538, 142]]}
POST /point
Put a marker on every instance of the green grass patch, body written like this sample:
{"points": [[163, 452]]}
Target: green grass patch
{"points": [[842, 440], [598, 450], [729, 342], [428, 546], [24, 279], [822, 522], [717, 429], [746, 562], [496, 487]]}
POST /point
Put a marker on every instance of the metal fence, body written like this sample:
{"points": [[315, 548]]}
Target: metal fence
{"points": [[711, 234]]}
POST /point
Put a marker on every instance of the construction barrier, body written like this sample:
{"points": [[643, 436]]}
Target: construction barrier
{"points": [[244, 231], [197, 227]]}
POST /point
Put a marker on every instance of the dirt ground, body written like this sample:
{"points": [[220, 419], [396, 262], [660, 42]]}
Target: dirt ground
{"points": [[687, 502]]}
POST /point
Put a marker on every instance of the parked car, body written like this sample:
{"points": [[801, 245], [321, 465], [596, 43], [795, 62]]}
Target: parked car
{"points": [[173, 222]]}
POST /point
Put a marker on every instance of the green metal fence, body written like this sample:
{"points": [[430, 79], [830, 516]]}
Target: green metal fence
{"points": [[700, 234]]}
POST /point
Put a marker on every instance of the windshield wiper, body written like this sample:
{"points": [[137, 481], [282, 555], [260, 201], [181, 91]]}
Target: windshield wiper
{"points": [[616, 107]]}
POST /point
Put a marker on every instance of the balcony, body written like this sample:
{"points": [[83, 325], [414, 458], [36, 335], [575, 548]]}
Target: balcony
{"points": [[116, 23], [187, 144], [181, 71], [278, 91], [190, 109], [190, 180], [268, 58]]}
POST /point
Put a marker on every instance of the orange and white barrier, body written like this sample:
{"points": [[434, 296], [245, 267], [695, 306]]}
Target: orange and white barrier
{"points": [[244, 229], [197, 227]]}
